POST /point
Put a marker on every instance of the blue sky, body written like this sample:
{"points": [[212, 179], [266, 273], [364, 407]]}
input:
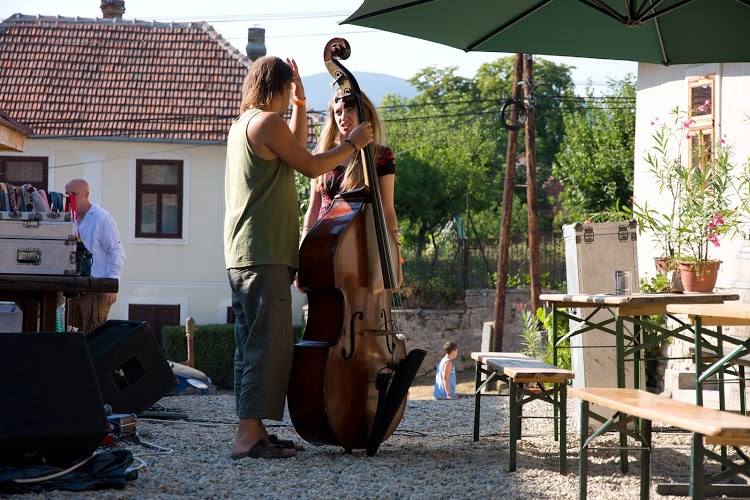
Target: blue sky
{"points": [[300, 29]]}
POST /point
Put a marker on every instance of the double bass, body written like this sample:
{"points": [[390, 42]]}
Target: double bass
{"points": [[350, 371]]}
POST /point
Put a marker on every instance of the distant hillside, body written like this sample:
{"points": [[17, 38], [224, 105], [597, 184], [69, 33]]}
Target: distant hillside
{"points": [[375, 85]]}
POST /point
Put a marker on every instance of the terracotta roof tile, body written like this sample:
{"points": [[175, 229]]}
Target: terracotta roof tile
{"points": [[77, 77]]}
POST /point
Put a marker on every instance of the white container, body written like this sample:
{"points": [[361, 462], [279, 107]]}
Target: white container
{"points": [[38, 256], [593, 252], [36, 225]]}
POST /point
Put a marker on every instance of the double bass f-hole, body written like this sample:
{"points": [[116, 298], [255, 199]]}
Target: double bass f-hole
{"points": [[352, 334]]}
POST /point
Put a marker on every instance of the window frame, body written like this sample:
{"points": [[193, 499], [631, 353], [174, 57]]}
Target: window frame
{"points": [[159, 190], [43, 159], [707, 119]]}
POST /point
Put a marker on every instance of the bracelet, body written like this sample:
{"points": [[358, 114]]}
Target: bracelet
{"points": [[351, 144], [299, 102]]}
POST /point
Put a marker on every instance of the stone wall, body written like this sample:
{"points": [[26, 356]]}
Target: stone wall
{"points": [[429, 329]]}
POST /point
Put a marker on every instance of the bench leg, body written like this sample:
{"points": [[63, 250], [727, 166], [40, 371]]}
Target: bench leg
{"points": [[696, 468], [477, 398], [513, 427], [563, 428], [645, 458], [583, 458]]}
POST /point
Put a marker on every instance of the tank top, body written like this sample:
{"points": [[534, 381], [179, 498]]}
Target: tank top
{"points": [[439, 390], [261, 223]]}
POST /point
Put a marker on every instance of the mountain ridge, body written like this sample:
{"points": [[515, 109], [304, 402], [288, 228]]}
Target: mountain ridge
{"points": [[376, 85]]}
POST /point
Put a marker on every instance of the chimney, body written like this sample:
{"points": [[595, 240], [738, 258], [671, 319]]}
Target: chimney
{"points": [[256, 43], [112, 9]]}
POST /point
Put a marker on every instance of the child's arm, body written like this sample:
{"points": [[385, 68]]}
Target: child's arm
{"points": [[447, 378]]}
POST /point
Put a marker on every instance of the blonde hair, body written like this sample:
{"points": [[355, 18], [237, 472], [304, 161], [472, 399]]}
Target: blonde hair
{"points": [[330, 137], [267, 76]]}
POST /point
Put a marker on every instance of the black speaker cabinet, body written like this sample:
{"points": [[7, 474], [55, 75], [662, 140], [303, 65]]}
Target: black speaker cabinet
{"points": [[132, 370], [50, 405]]}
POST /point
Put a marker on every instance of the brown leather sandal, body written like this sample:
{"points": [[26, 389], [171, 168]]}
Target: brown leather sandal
{"points": [[285, 443], [265, 449]]}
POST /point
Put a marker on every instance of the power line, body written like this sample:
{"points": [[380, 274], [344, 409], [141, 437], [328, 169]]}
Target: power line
{"points": [[274, 16]]}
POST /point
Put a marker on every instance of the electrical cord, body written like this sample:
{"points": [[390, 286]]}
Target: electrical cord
{"points": [[56, 474]]}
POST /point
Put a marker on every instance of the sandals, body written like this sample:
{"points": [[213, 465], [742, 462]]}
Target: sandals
{"points": [[285, 443], [264, 448]]}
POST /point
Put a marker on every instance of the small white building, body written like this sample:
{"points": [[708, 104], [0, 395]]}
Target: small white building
{"points": [[140, 110], [726, 88]]}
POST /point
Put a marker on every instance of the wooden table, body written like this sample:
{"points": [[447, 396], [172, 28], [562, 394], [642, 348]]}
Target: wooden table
{"points": [[634, 308], [37, 295], [701, 316]]}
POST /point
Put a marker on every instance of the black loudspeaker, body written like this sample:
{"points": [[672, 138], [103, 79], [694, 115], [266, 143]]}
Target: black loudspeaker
{"points": [[50, 405], [132, 370]]}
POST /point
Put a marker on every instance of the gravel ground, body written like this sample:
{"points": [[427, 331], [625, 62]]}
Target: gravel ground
{"points": [[431, 455]]}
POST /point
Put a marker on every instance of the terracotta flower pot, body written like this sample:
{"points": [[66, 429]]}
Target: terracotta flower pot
{"points": [[699, 276], [661, 264]]}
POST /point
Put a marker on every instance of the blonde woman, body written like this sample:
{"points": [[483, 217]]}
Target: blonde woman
{"points": [[341, 120]]}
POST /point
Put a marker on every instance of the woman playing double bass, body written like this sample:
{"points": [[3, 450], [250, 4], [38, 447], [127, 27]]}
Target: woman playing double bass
{"points": [[261, 240]]}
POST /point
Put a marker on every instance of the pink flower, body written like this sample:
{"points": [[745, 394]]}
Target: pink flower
{"points": [[714, 240], [722, 142], [687, 123]]}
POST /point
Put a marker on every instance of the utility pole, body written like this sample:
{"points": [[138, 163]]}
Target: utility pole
{"points": [[509, 183], [533, 216]]}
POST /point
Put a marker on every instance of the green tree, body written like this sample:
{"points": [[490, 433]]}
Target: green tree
{"points": [[595, 164]]}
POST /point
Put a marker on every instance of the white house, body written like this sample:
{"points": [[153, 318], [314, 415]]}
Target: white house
{"points": [[141, 111], [726, 88]]}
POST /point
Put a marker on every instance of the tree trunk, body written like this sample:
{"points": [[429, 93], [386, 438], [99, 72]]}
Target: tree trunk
{"points": [[504, 239]]}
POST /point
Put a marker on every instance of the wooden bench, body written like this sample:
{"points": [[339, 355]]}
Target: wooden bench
{"points": [[521, 372], [708, 426]]}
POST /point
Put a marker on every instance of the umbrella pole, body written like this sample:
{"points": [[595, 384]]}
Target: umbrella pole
{"points": [[504, 239], [531, 203]]}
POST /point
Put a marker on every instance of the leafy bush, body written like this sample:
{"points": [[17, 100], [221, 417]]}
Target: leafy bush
{"points": [[563, 351]]}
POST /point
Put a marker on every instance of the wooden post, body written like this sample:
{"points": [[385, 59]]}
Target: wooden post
{"points": [[533, 216], [504, 239], [190, 338]]}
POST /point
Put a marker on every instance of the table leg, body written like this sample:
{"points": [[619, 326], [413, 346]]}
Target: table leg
{"points": [[48, 312], [698, 362], [555, 390], [741, 371], [620, 347]]}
